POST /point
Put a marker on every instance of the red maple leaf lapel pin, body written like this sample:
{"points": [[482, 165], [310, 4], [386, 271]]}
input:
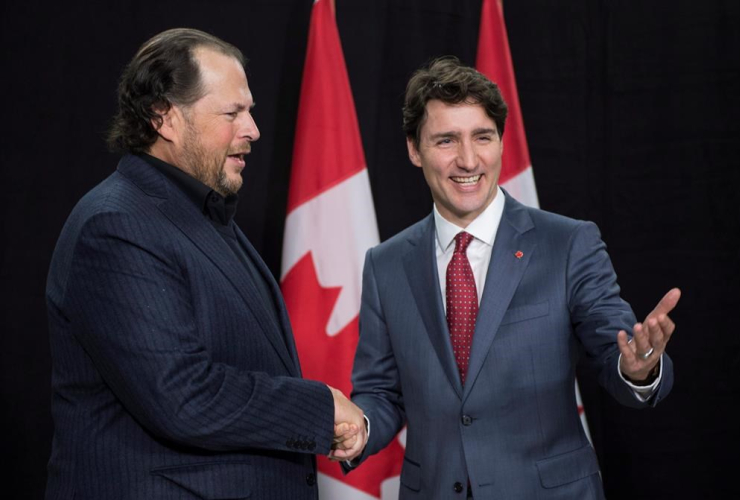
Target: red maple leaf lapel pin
{"points": [[519, 254]]}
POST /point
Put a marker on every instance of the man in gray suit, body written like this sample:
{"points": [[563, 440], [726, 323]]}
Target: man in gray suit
{"points": [[175, 373], [474, 318]]}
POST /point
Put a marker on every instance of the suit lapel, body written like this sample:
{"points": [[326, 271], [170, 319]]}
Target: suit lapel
{"points": [[184, 215], [276, 296], [505, 271], [420, 263]]}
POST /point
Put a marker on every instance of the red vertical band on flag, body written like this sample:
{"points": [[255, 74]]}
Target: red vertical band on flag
{"points": [[494, 61], [327, 148], [329, 226]]}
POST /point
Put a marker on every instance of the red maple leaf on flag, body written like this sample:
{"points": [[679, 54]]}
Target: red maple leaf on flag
{"points": [[330, 359]]}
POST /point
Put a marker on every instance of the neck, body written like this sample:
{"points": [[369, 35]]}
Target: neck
{"points": [[163, 151]]}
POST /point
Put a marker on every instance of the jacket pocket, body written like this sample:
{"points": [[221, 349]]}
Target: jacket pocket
{"points": [[411, 475], [568, 467], [523, 313], [211, 481]]}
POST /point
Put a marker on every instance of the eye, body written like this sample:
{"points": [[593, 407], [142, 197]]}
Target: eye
{"points": [[444, 141], [232, 114]]}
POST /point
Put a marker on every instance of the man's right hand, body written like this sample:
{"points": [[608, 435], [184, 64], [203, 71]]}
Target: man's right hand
{"points": [[350, 435]]}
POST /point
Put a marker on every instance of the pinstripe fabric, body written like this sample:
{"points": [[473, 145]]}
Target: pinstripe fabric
{"points": [[173, 378]]}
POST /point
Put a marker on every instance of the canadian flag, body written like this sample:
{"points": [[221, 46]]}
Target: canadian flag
{"points": [[494, 61], [329, 227]]}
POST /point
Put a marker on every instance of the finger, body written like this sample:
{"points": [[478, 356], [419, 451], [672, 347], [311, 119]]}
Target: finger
{"points": [[625, 347], [666, 324], [656, 335], [347, 444], [345, 428], [342, 438], [667, 303], [339, 430], [641, 339], [345, 437], [340, 456], [661, 333], [337, 455], [356, 449]]}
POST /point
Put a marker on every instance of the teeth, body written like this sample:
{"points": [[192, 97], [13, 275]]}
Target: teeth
{"points": [[466, 180]]}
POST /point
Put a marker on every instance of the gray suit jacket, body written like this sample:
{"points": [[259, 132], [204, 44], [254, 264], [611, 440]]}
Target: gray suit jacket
{"points": [[173, 376], [514, 429]]}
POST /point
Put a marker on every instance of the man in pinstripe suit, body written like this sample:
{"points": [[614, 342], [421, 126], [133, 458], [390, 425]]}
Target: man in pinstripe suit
{"points": [[175, 374]]}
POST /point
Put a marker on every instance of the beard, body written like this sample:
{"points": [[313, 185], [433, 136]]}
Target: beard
{"points": [[208, 166]]}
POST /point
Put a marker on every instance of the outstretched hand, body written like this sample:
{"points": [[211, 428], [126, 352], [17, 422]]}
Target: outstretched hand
{"points": [[641, 354]]}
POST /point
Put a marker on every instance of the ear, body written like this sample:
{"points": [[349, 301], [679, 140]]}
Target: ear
{"points": [[172, 121], [414, 155]]}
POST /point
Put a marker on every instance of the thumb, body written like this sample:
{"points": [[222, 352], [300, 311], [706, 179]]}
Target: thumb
{"points": [[667, 303]]}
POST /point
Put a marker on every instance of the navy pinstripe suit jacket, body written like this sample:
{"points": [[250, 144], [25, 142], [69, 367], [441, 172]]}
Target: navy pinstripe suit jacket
{"points": [[172, 377]]}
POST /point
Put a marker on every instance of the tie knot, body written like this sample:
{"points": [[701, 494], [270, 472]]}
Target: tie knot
{"points": [[462, 240]]}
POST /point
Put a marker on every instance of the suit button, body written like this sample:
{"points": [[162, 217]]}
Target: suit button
{"points": [[458, 487], [289, 443], [467, 420], [311, 479], [312, 446]]}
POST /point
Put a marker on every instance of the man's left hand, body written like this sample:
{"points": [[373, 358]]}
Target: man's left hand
{"points": [[641, 355]]}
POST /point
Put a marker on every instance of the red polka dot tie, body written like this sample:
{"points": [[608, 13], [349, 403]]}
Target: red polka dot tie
{"points": [[462, 303]]}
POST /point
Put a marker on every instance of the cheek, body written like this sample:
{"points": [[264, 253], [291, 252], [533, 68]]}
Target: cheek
{"points": [[493, 159], [219, 136], [227, 134], [434, 174]]}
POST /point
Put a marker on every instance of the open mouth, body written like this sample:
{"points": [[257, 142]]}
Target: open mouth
{"points": [[469, 181], [238, 158]]}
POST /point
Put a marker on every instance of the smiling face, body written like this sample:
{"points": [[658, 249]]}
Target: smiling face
{"points": [[459, 151], [210, 138]]}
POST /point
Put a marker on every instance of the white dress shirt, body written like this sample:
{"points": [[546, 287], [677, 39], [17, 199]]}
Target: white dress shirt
{"points": [[484, 229]]}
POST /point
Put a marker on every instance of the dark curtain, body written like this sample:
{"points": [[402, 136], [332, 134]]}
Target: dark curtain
{"points": [[631, 111]]}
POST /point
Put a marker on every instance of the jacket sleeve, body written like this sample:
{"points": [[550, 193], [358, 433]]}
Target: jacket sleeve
{"points": [[598, 313], [129, 305], [375, 378]]}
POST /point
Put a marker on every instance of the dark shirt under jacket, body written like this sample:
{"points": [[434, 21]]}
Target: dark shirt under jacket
{"points": [[218, 210]]}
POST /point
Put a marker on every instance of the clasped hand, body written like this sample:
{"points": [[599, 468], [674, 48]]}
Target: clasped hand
{"points": [[350, 433]]}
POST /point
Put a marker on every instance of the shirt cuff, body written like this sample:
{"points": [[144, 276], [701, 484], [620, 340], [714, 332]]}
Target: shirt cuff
{"points": [[642, 392]]}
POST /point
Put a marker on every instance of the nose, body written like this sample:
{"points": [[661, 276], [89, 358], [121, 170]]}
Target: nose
{"points": [[248, 128], [467, 159]]}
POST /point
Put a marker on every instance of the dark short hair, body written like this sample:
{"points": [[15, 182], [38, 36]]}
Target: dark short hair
{"points": [[163, 72], [449, 81]]}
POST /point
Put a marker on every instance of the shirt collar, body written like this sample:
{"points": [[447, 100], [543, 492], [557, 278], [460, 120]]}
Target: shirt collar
{"points": [[483, 227], [208, 201]]}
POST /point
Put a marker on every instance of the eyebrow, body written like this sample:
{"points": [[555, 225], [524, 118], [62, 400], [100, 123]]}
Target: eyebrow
{"points": [[241, 107], [443, 135], [478, 131]]}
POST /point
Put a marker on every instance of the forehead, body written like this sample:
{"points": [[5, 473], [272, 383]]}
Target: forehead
{"points": [[461, 117], [222, 76]]}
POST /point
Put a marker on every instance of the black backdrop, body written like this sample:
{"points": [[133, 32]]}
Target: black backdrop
{"points": [[631, 110]]}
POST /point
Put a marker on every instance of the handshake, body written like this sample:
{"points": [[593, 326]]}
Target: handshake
{"points": [[350, 432]]}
